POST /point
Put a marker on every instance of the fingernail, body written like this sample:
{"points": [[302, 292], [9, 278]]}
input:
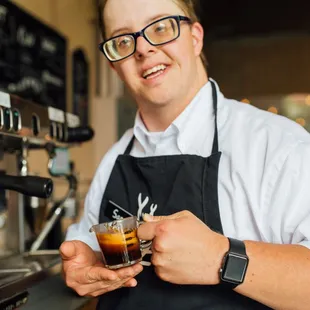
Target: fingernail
{"points": [[147, 217]]}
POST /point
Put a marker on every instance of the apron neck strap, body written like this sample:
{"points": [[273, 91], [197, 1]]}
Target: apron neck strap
{"points": [[215, 138], [129, 146], [215, 147]]}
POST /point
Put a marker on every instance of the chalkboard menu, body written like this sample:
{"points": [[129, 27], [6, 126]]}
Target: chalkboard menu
{"points": [[80, 85], [32, 58]]}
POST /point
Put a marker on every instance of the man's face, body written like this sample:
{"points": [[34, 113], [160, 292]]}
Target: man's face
{"points": [[178, 59]]}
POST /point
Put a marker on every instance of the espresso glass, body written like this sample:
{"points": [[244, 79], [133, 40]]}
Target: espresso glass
{"points": [[119, 242]]}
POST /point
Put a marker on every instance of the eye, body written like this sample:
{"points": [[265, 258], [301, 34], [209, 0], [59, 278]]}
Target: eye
{"points": [[124, 42], [161, 27]]}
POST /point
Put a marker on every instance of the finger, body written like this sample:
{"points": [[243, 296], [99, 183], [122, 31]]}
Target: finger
{"points": [[94, 289], [151, 218], [131, 283], [67, 250], [129, 272], [147, 231], [97, 289], [91, 274], [94, 274], [70, 249]]}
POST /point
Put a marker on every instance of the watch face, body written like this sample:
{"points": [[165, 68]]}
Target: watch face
{"points": [[235, 268]]}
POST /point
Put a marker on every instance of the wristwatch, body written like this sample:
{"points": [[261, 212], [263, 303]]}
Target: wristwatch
{"points": [[235, 263]]}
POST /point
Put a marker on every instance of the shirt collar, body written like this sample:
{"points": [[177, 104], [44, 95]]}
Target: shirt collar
{"points": [[194, 117], [185, 127]]}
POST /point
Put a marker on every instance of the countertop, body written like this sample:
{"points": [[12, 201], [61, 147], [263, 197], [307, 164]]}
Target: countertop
{"points": [[39, 275], [51, 294]]}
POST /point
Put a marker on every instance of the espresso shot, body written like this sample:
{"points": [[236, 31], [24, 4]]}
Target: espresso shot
{"points": [[119, 248]]}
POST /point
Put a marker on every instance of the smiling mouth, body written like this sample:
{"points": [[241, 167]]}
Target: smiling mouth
{"points": [[154, 72]]}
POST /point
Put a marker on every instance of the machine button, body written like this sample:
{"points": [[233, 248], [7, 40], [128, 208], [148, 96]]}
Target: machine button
{"points": [[35, 124], [17, 122], [7, 119]]}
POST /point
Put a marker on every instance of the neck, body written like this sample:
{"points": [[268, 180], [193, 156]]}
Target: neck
{"points": [[159, 118]]}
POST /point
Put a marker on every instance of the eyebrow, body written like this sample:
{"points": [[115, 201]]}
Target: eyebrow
{"points": [[148, 21]]}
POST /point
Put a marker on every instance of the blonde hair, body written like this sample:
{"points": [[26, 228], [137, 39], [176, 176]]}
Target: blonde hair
{"points": [[189, 8]]}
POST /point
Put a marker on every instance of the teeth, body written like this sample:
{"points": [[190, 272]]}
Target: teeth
{"points": [[153, 70]]}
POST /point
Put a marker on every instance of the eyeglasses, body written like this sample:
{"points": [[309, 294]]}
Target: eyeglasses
{"points": [[159, 32]]}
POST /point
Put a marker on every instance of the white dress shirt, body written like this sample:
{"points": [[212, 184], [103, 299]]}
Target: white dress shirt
{"points": [[264, 172]]}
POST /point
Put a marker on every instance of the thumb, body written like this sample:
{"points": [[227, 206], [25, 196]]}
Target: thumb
{"points": [[78, 252], [68, 250], [151, 218]]}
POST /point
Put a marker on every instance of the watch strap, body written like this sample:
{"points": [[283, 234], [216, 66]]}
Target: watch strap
{"points": [[236, 246], [228, 285]]}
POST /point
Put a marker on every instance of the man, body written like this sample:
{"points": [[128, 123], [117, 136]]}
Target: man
{"points": [[223, 185]]}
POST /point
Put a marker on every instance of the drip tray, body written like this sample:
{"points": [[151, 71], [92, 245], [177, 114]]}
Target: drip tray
{"points": [[27, 268], [11, 275]]}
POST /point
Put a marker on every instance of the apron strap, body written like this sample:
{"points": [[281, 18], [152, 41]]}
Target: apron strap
{"points": [[129, 146], [215, 147]]}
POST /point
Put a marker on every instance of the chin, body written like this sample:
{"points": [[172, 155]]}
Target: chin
{"points": [[163, 94], [159, 99]]}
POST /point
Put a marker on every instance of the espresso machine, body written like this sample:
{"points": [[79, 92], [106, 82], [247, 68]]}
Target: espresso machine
{"points": [[30, 233]]}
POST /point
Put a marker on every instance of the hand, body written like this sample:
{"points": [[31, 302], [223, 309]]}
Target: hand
{"points": [[85, 273], [184, 249]]}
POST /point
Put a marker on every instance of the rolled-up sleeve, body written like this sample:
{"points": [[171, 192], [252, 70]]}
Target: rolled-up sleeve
{"points": [[80, 231]]}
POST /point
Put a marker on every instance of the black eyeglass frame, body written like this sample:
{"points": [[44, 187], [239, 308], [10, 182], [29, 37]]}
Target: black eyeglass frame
{"points": [[136, 35]]}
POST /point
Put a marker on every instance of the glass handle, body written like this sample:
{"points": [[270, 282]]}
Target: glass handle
{"points": [[144, 244]]}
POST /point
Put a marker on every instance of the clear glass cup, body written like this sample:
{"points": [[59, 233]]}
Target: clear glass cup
{"points": [[119, 242]]}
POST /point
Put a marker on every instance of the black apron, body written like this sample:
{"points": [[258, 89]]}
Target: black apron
{"points": [[163, 185]]}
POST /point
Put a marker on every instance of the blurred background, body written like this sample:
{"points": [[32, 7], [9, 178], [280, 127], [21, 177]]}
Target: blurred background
{"points": [[259, 52]]}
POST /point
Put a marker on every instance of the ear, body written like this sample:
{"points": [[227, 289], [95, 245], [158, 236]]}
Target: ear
{"points": [[197, 36]]}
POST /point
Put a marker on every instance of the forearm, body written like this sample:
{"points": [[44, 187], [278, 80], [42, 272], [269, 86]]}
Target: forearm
{"points": [[277, 275]]}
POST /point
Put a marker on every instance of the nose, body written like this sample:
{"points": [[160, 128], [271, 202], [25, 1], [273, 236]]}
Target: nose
{"points": [[144, 48]]}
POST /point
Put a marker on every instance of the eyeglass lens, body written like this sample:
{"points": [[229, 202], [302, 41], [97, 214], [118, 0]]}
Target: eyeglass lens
{"points": [[157, 33]]}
